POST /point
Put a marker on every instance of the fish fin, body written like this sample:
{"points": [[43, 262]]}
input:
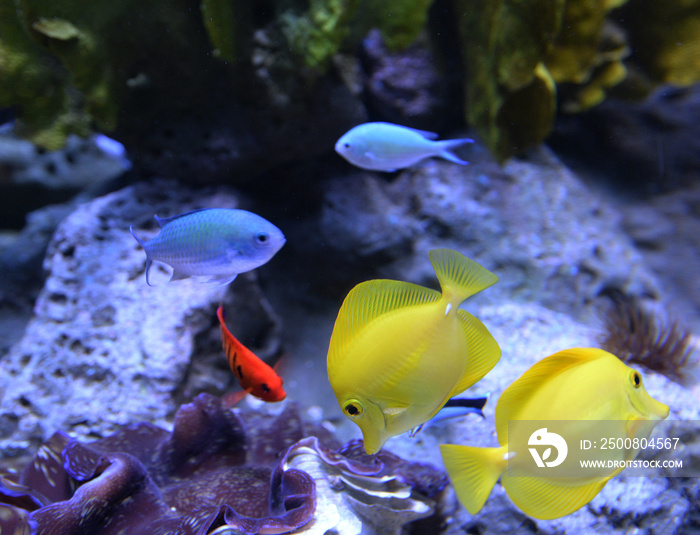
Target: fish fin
{"points": [[149, 263], [452, 158], [517, 394], [394, 411], [473, 471], [413, 432], [425, 133], [367, 301], [230, 399], [222, 280], [178, 275], [162, 221], [444, 150], [141, 242], [484, 352], [545, 499], [459, 276]]}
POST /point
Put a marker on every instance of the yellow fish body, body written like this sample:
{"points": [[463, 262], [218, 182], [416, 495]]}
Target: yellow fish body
{"points": [[399, 351], [583, 386]]}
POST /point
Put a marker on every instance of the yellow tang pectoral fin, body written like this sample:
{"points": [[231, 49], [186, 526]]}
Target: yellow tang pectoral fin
{"points": [[517, 394], [483, 352], [459, 276], [394, 411], [547, 498], [473, 471], [365, 303]]}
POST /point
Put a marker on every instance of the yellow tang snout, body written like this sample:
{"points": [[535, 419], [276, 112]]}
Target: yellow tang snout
{"points": [[647, 407], [370, 419]]}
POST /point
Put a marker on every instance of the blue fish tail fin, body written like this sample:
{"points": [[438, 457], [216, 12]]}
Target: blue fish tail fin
{"points": [[445, 149], [459, 276], [473, 471]]}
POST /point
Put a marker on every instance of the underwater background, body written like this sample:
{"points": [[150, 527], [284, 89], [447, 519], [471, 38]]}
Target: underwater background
{"points": [[581, 195]]}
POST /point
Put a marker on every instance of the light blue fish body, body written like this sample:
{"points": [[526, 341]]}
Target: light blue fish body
{"points": [[388, 147], [216, 242]]}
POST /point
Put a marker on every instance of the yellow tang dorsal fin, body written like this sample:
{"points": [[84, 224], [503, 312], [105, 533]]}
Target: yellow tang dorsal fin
{"points": [[366, 302], [459, 276], [543, 498], [483, 352], [515, 396]]}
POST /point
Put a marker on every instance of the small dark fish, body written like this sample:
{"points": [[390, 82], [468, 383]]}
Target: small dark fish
{"points": [[454, 408]]}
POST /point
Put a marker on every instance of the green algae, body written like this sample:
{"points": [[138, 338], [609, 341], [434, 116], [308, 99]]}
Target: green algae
{"points": [[665, 36], [35, 83], [66, 65], [228, 26], [510, 95], [317, 33]]}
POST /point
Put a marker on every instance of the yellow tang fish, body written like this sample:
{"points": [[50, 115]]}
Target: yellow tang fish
{"points": [[585, 387], [399, 351]]}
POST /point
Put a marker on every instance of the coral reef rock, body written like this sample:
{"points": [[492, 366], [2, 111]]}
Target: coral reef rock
{"points": [[104, 349], [534, 223]]}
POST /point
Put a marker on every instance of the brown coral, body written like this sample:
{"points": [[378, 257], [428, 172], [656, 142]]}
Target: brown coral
{"points": [[637, 336]]}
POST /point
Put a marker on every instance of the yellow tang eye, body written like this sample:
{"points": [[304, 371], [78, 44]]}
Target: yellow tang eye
{"points": [[635, 379], [353, 408]]}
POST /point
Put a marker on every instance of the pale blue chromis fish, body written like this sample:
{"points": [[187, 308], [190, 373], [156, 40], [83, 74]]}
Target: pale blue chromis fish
{"points": [[216, 242], [388, 147]]}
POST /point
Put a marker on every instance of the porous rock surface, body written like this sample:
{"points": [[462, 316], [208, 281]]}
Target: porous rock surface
{"points": [[104, 349]]}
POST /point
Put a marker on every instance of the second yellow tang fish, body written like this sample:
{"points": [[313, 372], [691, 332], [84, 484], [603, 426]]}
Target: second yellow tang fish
{"points": [[585, 390], [399, 351]]}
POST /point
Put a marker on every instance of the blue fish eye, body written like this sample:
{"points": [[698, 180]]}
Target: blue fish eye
{"points": [[346, 145], [262, 238]]}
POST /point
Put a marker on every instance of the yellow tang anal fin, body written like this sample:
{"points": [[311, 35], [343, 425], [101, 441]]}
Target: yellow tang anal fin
{"points": [[459, 276], [369, 300], [473, 471], [483, 355], [516, 395], [546, 498]]}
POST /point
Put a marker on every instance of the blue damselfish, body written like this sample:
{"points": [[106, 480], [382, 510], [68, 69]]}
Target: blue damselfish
{"points": [[388, 147], [217, 242]]}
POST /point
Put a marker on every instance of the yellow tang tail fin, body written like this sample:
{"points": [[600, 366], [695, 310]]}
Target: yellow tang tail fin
{"points": [[474, 472], [459, 276], [547, 499]]}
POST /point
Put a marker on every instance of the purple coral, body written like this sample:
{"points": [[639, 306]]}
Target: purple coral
{"points": [[209, 472], [216, 470]]}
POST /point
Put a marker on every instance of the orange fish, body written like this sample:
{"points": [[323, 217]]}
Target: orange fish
{"points": [[253, 374]]}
